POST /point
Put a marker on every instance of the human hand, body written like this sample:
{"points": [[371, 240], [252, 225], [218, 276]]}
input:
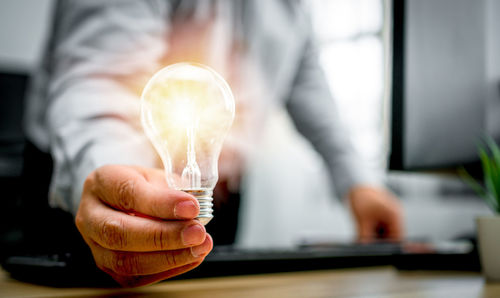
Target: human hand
{"points": [[139, 230], [377, 212]]}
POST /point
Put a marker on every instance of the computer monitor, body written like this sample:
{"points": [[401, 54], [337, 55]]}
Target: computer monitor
{"points": [[445, 81]]}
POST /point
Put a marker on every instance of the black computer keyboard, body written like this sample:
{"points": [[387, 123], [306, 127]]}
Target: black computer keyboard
{"points": [[78, 268]]}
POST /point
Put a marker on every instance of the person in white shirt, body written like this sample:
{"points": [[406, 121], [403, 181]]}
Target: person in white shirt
{"points": [[85, 112]]}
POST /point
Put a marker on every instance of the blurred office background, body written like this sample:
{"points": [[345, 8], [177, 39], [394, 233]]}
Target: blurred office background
{"points": [[355, 52]]}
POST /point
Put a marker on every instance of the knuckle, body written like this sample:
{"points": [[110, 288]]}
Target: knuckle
{"points": [[172, 260], [105, 169], [90, 182], [125, 192], [161, 239], [113, 233], [125, 264], [79, 220], [99, 175]]}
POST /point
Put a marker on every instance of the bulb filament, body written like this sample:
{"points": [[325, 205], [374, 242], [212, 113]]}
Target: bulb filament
{"points": [[191, 175]]}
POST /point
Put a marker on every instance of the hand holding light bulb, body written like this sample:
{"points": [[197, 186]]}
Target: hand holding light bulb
{"points": [[139, 230], [138, 224]]}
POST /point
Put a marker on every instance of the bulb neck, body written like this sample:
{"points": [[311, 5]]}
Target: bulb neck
{"points": [[204, 197]]}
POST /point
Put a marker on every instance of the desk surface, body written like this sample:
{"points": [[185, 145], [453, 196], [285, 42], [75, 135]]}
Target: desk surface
{"points": [[372, 282]]}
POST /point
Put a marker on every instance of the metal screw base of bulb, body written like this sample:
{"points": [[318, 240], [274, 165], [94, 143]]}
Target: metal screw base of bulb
{"points": [[204, 197]]}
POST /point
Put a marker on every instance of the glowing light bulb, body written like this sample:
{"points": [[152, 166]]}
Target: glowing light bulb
{"points": [[186, 111]]}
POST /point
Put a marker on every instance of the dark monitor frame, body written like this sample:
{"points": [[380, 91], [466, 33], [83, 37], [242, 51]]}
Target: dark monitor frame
{"points": [[397, 144], [396, 157]]}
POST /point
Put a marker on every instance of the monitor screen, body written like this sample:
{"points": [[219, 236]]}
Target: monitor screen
{"points": [[445, 81]]}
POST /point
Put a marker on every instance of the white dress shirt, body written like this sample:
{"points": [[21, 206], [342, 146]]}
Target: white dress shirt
{"points": [[84, 105]]}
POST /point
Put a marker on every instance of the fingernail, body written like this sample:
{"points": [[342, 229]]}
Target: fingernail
{"points": [[186, 209], [193, 235], [202, 249]]}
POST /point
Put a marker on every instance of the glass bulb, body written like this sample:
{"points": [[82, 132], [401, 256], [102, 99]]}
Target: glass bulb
{"points": [[186, 111]]}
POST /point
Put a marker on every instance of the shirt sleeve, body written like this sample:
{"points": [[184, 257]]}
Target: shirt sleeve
{"points": [[104, 52], [316, 117]]}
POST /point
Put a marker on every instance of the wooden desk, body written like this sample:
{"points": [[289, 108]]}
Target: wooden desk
{"points": [[371, 282]]}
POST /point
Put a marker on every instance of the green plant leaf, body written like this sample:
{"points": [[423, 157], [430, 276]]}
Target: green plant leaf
{"points": [[485, 162], [495, 168], [490, 178], [494, 149], [490, 191], [473, 183], [479, 189], [495, 179]]}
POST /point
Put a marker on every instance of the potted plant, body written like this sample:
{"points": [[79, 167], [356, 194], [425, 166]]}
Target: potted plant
{"points": [[488, 227]]}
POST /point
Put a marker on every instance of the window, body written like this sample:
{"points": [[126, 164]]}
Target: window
{"points": [[352, 52]]}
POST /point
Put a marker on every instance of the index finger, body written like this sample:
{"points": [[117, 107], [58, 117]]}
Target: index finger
{"points": [[135, 189]]}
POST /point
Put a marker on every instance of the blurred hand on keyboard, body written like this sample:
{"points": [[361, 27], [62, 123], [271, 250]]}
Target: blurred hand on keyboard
{"points": [[377, 212]]}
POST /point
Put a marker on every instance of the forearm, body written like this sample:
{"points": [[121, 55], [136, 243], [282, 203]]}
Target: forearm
{"points": [[80, 146], [316, 116], [102, 54]]}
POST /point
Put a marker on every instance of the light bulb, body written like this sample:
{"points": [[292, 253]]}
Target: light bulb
{"points": [[186, 111]]}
